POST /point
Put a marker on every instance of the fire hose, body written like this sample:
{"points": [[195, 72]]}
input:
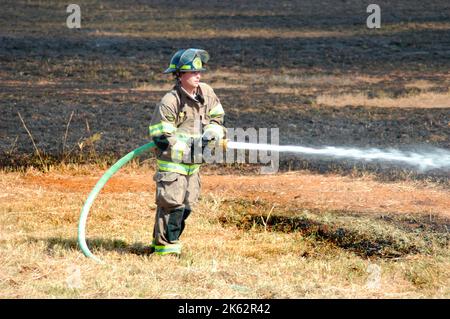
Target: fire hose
{"points": [[433, 159], [98, 187], [93, 194]]}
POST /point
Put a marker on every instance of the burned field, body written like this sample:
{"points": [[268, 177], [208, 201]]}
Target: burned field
{"points": [[321, 76]]}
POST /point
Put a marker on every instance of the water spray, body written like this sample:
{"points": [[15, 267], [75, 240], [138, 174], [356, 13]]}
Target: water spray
{"points": [[436, 159], [433, 159]]}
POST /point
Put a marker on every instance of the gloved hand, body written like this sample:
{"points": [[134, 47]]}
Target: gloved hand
{"points": [[210, 136], [212, 133], [179, 149], [161, 142], [200, 143], [209, 139]]}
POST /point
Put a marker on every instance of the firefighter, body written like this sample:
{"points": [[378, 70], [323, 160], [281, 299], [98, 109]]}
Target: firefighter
{"points": [[187, 116]]}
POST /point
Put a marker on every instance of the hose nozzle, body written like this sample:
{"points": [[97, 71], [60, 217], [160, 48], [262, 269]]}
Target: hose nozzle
{"points": [[223, 143]]}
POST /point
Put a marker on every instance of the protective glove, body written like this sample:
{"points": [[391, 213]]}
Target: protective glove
{"points": [[161, 142], [212, 134], [179, 149]]}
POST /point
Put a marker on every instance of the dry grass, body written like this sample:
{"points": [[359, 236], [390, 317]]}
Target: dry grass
{"points": [[268, 33], [389, 27], [154, 87], [39, 256], [420, 84], [320, 80], [421, 100], [285, 90], [229, 86], [239, 34]]}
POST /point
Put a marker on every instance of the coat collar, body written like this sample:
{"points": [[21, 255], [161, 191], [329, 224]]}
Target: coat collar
{"points": [[198, 98]]}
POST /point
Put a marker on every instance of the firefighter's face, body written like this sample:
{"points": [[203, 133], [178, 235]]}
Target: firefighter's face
{"points": [[190, 79]]}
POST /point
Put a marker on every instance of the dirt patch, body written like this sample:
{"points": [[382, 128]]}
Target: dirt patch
{"points": [[332, 193], [86, 184], [301, 190]]}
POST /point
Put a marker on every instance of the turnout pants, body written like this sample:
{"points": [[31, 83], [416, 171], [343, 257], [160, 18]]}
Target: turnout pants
{"points": [[175, 196]]}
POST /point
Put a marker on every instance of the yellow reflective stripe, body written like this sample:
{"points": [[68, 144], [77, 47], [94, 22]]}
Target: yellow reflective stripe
{"points": [[216, 129], [159, 253], [185, 169], [168, 249], [172, 66], [217, 111], [162, 247], [185, 67], [161, 128], [186, 136]]}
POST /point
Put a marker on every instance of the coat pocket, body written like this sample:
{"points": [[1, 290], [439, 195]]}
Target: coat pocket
{"points": [[165, 177], [170, 189]]}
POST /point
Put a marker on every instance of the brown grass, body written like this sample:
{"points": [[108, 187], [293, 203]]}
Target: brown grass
{"points": [[420, 84], [240, 34], [154, 87], [268, 33], [422, 100], [39, 256], [321, 80]]}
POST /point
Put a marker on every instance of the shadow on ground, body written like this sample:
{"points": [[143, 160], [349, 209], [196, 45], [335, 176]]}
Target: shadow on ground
{"points": [[95, 244]]}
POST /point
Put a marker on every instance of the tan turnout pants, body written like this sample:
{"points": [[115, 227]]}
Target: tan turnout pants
{"points": [[175, 196]]}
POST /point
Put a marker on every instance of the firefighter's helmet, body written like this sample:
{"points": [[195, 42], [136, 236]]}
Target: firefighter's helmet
{"points": [[189, 60]]}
